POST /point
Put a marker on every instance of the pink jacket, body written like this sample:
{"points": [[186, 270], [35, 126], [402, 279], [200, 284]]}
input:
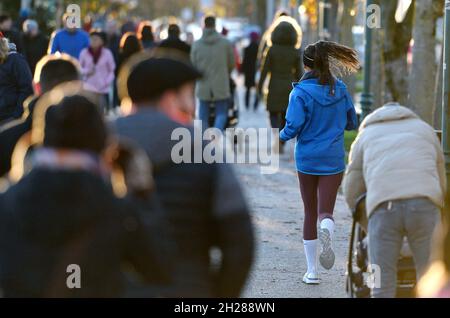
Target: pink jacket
{"points": [[103, 76]]}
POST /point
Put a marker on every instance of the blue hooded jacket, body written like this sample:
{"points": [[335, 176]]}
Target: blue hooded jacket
{"points": [[318, 120]]}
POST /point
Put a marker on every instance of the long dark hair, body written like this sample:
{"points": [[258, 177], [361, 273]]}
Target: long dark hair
{"points": [[327, 58]]}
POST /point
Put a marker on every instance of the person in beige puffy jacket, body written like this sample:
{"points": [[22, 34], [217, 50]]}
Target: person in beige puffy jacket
{"points": [[398, 162]]}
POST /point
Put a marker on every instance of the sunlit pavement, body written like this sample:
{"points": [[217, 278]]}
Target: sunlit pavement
{"points": [[278, 217]]}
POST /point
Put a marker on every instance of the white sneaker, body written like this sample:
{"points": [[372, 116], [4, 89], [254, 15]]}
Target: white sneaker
{"points": [[327, 256], [311, 279]]}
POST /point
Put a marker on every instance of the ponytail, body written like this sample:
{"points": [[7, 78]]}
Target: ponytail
{"points": [[327, 58]]}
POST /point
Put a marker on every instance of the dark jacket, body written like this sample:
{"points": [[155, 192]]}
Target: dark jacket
{"points": [[249, 64], [10, 135], [173, 42], [205, 207], [35, 48], [54, 218], [282, 61], [15, 86]]}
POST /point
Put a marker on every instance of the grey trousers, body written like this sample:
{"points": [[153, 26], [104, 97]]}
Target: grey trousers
{"points": [[415, 219]]}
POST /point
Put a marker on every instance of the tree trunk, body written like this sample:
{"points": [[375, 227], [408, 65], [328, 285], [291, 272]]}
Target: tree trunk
{"points": [[397, 37], [423, 72]]}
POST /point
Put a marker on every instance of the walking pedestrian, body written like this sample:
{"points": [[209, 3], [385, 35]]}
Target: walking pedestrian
{"points": [[282, 61], [51, 71], [98, 68], [146, 36], [35, 43], [397, 160], [15, 81], [435, 283], [69, 40], [174, 42], [320, 110], [203, 202], [59, 215], [249, 67], [213, 55]]}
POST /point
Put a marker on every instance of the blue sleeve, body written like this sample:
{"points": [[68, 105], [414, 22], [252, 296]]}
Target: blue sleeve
{"points": [[352, 119], [295, 118]]}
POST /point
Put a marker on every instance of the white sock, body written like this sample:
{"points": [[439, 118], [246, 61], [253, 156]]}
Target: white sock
{"points": [[311, 255], [329, 225]]}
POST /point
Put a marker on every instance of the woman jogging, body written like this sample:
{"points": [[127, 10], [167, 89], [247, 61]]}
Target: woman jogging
{"points": [[320, 110]]}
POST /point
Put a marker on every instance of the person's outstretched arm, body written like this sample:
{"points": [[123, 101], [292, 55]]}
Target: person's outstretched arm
{"points": [[295, 117], [234, 234]]}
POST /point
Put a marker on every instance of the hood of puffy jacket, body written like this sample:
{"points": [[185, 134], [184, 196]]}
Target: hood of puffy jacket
{"points": [[321, 93], [211, 37], [389, 112], [53, 206]]}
